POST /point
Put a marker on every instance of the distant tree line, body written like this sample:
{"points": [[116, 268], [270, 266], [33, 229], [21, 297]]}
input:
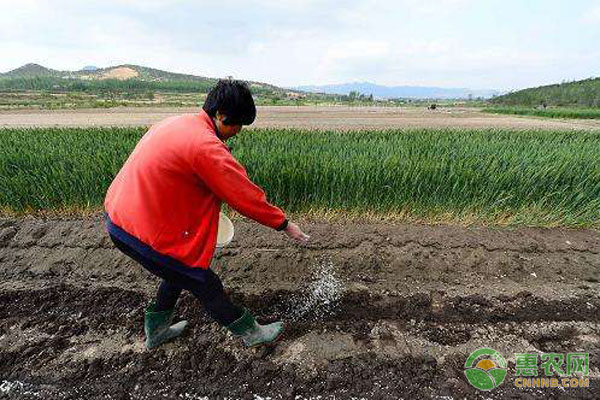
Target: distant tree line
{"points": [[584, 93], [356, 96], [60, 85], [353, 96]]}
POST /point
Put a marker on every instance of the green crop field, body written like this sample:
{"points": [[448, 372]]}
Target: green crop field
{"points": [[480, 176], [558, 112]]}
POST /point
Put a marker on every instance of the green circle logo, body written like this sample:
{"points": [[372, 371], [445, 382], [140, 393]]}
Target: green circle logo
{"points": [[489, 372]]}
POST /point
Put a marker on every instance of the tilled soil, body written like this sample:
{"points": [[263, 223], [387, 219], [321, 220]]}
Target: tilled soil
{"points": [[372, 311], [305, 117]]}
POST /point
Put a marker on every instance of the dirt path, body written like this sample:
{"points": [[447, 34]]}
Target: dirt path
{"points": [[323, 117], [374, 311]]}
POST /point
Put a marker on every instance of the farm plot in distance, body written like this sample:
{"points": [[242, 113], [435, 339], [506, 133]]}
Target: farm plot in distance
{"points": [[311, 117]]}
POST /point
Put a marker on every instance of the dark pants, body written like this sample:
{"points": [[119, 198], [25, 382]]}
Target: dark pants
{"points": [[204, 284]]}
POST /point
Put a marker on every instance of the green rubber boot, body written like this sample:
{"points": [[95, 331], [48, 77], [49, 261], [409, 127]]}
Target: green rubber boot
{"points": [[254, 334], [158, 326]]}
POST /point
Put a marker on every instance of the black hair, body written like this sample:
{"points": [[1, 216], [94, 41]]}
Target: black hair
{"points": [[232, 99]]}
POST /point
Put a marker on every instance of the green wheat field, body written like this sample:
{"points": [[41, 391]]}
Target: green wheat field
{"points": [[491, 176], [553, 112]]}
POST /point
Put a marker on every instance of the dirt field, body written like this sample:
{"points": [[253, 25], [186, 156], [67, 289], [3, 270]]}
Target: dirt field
{"points": [[373, 310], [339, 117]]}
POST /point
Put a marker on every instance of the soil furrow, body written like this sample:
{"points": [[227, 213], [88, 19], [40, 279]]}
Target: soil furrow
{"points": [[58, 337], [372, 311]]}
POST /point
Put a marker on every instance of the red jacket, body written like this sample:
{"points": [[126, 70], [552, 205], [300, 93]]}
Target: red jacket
{"points": [[168, 193]]}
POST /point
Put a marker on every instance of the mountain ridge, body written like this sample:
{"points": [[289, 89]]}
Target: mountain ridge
{"points": [[118, 72], [141, 73], [409, 92]]}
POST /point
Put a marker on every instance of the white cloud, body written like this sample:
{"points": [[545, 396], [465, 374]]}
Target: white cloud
{"points": [[360, 48], [592, 15]]}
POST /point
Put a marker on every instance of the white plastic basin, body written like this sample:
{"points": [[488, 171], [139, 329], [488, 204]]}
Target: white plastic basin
{"points": [[226, 231]]}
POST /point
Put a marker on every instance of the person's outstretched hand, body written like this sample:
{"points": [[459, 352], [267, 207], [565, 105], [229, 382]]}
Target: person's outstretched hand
{"points": [[294, 231]]}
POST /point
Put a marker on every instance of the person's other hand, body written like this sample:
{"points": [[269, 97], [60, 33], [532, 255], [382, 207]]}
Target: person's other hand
{"points": [[294, 231]]}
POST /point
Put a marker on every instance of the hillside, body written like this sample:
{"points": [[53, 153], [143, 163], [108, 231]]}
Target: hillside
{"points": [[585, 93], [126, 76], [30, 71], [120, 72], [38, 87]]}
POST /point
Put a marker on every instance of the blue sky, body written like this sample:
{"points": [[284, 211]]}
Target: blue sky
{"points": [[478, 44]]}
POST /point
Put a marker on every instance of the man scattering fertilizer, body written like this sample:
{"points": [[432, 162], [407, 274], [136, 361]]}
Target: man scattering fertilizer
{"points": [[162, 210]]}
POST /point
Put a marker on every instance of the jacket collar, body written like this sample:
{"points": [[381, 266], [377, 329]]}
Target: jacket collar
{"points": [[211, 124]]}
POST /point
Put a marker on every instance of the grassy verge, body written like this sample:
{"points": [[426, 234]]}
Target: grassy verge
{"points": [[473, 176], [569, 113]]}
